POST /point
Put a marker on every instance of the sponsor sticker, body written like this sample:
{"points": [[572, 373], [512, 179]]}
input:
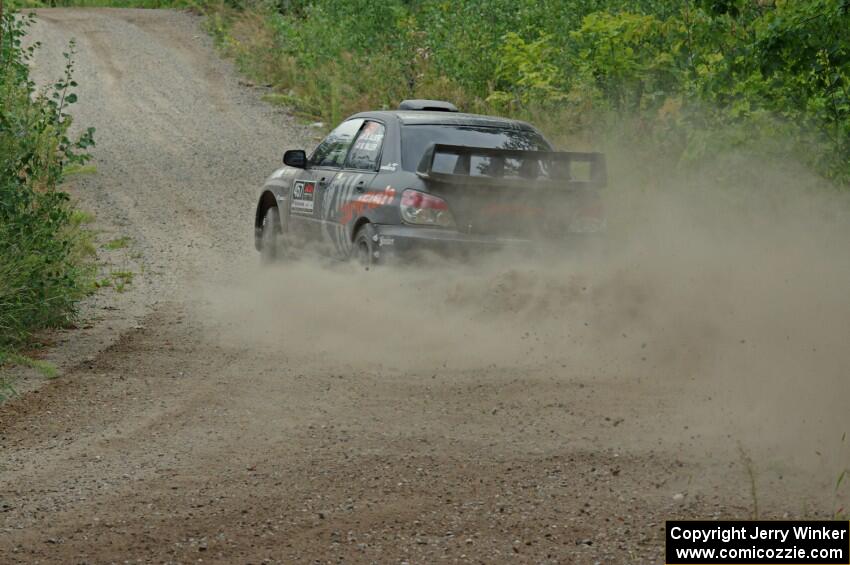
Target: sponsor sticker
{"points": [[303, 197], [363, 202]]}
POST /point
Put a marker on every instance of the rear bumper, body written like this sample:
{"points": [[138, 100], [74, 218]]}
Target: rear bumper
{"points": [[399, 242]]}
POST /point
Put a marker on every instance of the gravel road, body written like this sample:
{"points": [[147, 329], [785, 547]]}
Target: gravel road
{"points": [[215, 412]]}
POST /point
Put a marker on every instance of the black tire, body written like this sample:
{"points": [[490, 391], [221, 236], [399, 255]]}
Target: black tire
{"points": [[270, 240], [365, 248]]}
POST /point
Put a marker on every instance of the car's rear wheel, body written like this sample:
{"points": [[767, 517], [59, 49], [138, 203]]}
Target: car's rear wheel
{"points": [[365, 250], [271, 247]]}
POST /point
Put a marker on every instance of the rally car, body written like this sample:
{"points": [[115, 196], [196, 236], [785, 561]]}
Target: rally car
{"points": [[389, 184]]}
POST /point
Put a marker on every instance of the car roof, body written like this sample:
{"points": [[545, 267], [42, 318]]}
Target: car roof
{"points": [[427, 117]]}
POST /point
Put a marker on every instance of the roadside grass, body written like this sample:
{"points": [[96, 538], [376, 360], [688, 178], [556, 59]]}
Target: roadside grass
{"points": [[7, 383], [46, 368], [7, 389], [121, 279], [118, 243], [118, 280], [30, 298], [747, 461], [840, 510], [76, 170], [840, 513], [82, 217]]}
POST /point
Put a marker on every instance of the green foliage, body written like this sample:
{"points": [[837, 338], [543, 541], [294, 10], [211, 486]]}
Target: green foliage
{"points": [[525, 74], [44, 267], [686, 79]]}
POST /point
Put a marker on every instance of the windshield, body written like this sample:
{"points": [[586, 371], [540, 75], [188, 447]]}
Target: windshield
{"points": [[415, 139]]}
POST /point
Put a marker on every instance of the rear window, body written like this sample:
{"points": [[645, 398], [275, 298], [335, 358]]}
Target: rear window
{"points": [[415, 139]]}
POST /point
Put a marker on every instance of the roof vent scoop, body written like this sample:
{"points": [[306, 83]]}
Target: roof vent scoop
{"points": [[428, 105]]}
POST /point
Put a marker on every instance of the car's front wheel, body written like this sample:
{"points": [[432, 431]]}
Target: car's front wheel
{"points": [[270, 241]]}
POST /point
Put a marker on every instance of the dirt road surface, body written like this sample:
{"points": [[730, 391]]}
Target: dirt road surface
{"points": [[216, 412]]}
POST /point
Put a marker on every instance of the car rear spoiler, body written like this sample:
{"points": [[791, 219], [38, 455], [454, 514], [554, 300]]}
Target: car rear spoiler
{"points": [[596, 177]]}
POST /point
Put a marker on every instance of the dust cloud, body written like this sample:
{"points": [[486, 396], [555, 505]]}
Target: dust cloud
{"points": [[719, 304]]}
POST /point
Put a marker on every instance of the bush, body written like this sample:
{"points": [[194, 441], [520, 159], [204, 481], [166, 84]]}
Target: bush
{"points": [[43, 265]]}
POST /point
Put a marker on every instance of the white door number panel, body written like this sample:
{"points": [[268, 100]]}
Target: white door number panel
{"points": [[303, 197]]}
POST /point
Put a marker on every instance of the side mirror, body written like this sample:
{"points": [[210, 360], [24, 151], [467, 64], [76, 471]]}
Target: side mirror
{"points": [[295, 158]]}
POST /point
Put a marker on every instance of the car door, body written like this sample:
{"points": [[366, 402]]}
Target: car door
{"points": [[350, 194], [305, 204]]}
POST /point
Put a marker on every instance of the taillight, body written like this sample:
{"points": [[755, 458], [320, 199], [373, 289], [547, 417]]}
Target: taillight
{"points": [[425, 209]]}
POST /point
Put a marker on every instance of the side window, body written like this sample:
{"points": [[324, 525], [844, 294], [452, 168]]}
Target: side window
{"points": [[332, 151], [366, 150]]}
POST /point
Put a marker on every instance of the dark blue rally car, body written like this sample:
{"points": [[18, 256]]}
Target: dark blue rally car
{"points": [[389, 184]]}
